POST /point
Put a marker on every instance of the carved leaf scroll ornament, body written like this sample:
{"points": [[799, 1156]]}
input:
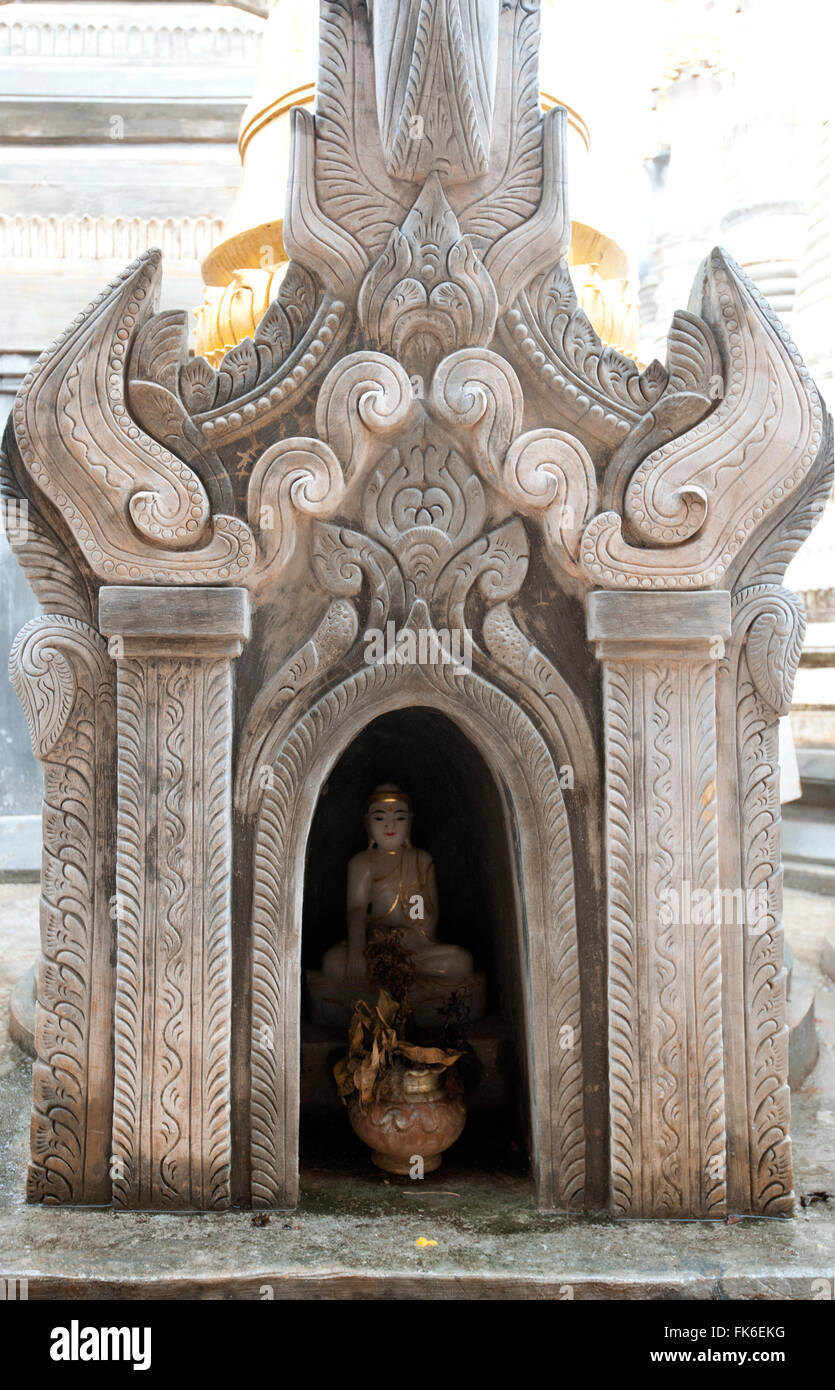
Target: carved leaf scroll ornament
{"points": [[774, 624], [365, 398], [136, 511], [758, 674], [694, 385], [544, 472], [695, 502], [544, 239], [597, 391]]}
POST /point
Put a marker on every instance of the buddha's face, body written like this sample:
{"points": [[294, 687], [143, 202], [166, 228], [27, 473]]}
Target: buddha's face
{"points": [[389, 823]]}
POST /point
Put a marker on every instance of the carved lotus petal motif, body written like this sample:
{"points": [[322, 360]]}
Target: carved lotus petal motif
{"points": [[198, 385], [477, 393], [428, 293]]}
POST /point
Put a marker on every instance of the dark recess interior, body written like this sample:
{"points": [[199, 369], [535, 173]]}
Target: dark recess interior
{"points": [[459, 819]]}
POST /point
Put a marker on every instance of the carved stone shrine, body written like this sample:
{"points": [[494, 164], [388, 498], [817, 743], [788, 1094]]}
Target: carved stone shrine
{"points": [[424, 438]]}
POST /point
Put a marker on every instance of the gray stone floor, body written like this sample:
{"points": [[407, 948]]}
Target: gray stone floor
{"points": [[355, 1235]]}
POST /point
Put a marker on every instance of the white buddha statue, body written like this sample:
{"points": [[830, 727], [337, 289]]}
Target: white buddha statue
{"points": [[392, 885]]}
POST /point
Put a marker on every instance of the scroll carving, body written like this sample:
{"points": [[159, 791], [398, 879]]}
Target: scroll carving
{"points": [[694, 502], [757, 680], [694, 384], [545, 472], [496, 563], [423, 430], [157, 351], [64, 680], [171, 1119], [664, 1088], [343, 559], [364, 399], [135, 510]]}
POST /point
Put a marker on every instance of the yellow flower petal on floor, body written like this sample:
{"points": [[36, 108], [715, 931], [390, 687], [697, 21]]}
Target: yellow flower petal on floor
{"points": [[421, 1241]]}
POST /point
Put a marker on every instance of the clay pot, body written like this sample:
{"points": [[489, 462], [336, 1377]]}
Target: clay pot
{"points": [[419, 1112]]}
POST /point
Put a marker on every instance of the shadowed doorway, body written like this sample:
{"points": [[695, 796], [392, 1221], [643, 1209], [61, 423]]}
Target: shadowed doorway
{"points": [[459, 819]]}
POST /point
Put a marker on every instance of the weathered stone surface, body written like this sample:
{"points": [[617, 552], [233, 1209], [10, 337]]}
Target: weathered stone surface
{"points": [[666, 1065], [172, 1142], [425, 434]]}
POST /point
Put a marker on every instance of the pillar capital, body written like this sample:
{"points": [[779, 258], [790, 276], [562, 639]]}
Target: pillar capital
{"points": [[643, 626], [187, 621]]}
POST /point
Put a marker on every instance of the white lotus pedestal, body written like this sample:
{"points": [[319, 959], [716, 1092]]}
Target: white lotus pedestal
{"points": [[171, 1116], [666, 1085]]}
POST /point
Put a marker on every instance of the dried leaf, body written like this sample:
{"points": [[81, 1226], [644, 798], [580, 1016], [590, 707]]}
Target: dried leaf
{"points": [[387, 1008], [344, 1077], [367, 1077], [435, 1057], [355, 1032], [374, 1046]]}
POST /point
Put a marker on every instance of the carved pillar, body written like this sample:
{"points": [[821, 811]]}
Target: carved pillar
{"points": [[666, 1077], [64, 680], [171, 1113], [754, 687]]}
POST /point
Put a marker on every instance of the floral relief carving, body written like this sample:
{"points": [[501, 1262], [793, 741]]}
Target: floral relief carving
{"points": [[424, 430]]}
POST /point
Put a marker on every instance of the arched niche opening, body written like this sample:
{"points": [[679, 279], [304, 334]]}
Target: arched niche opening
{"points": [[460, 817], [537, 840]]}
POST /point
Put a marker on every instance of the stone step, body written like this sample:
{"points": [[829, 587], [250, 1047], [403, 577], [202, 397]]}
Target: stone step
{"points": [[828, 953], [803, 1035], [816, 767], [809, 846], [22, 1012]]}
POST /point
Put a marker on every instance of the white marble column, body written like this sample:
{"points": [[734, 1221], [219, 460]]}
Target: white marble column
{"points": [[666, 1080], [171, 1120]]}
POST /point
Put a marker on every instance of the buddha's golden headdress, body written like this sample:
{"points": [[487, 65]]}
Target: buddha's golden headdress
{"points": [[388, 794]]}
